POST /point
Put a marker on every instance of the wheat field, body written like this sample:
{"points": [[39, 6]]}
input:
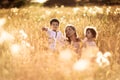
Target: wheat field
{"points": [[23, 45]]}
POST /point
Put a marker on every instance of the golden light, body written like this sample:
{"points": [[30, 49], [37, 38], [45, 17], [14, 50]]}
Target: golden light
{"points": [[117, 11], [65, 54], [108, 10], [2, 22], [48, 12], [75, 10], [98, 9], [86, 9], [81, 65], [15, 10], [39, 1], [5, 36], [15, 49]]}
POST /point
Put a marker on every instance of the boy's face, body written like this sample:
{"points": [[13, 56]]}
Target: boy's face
{"points": [[54, 26], [89, 34]]}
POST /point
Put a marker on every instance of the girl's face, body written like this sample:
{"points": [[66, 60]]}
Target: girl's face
{"points": [[89, 34], [69, 32]]}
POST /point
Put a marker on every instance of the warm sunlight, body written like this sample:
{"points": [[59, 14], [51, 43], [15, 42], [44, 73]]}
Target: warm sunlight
{"points": [[15, 49], [2, 22], [39, 1], [81, 65], [33, 47], [65, 55]]}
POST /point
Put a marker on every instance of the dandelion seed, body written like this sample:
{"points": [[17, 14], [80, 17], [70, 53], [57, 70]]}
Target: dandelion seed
{"points": [[117, 11], [43, 16], [26, 44], [15, 10], [108, 10], [102, 59], [85, 8], [107, 54], [9, 17], [92, 11], [75, 10], [47, 12], [84, 15], [98, 10], [23, 34], [99, 58], [62, 6]]}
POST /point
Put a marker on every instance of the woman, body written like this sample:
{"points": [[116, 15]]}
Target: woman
{"points": [[72, 38]]}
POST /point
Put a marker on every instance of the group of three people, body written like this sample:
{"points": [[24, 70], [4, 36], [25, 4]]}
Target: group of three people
{"points": [[57, 40]]}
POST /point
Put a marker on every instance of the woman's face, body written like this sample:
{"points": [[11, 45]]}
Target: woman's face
{"points": [[89, 34], [69, 31]]}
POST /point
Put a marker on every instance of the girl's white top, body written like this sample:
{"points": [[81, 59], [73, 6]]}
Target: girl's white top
{"points": [[55, 37], [89, 49]]}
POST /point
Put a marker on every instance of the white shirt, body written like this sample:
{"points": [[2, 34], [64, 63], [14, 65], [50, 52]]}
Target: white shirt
{"points": [[54, 37], [89, 49], [90, 44]]}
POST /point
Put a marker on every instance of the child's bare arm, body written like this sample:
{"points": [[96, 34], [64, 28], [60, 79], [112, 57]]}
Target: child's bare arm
{"points": [[44, 29]]}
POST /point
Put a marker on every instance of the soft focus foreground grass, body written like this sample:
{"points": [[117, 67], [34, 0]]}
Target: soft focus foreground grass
{"points": [[38, 63]]}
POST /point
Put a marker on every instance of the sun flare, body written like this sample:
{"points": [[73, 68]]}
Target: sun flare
{"points": [[39, 1]]}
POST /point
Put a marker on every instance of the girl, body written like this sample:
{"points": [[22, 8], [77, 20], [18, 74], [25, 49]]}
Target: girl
{"points": [[90, 36], [89, 51], [89, 47]]}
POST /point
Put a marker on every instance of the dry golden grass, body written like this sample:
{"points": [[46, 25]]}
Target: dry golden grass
{"points": [[29, 59]]}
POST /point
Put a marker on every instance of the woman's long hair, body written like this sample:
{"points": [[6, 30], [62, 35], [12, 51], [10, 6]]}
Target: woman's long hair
{"points": [[73, 28]]}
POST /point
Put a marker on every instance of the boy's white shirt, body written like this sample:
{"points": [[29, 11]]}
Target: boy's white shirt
{"points": [[54, 38]]}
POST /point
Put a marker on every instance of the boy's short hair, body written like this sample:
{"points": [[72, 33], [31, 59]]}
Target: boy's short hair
{"points": [[54, 20]]}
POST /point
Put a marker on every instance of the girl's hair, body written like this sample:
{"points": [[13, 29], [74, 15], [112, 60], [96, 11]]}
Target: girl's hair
{"points": [[92, 30], [73, 28]]}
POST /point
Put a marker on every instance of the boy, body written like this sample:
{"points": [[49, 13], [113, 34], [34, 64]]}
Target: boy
{"points": [[54, 35]]}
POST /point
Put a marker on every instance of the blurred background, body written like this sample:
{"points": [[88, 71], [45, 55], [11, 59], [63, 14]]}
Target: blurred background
{"points": [[50, 3], [24, 53]]}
